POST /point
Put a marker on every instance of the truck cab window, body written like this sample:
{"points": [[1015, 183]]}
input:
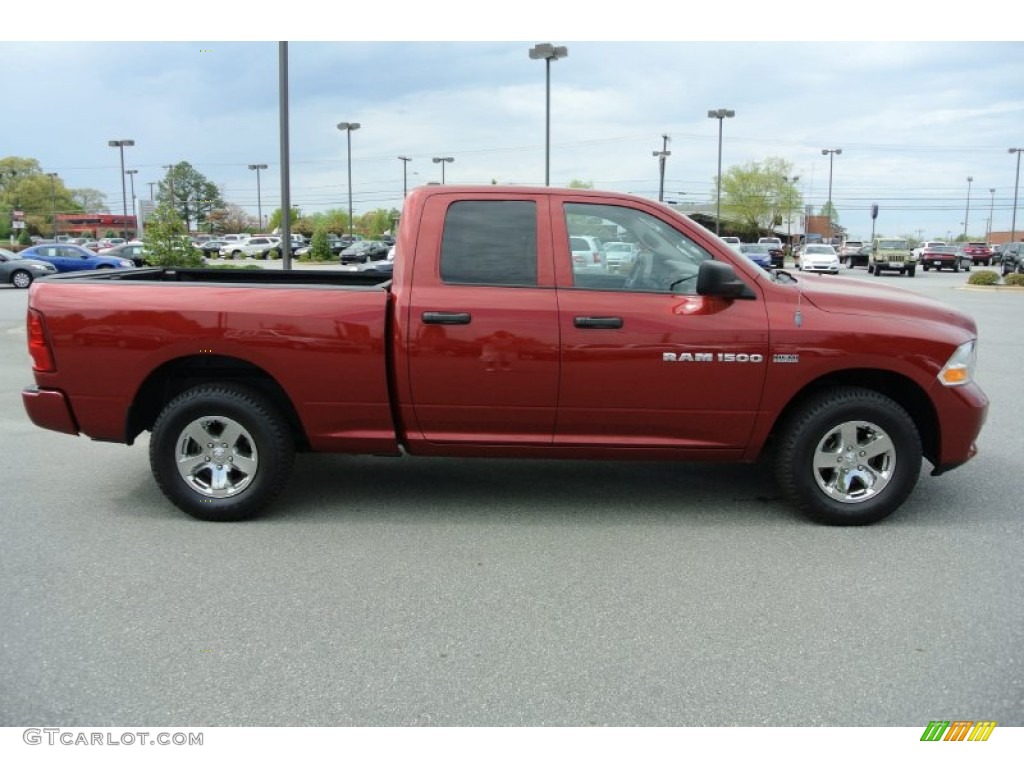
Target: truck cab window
{"points": [[490, 242], [623, 249]]}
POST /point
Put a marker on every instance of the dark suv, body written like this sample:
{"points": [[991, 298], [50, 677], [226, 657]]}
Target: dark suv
{"points": [[1013, 258]]}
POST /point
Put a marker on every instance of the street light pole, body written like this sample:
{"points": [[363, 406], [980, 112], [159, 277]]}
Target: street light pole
{"points": [[53, 192], [720, 115], [549, 53], [968, 211], [348, 128], [831, 155], [443, 161], [665, 139], [991, 209], [1016, 185], [131, 178], [405, 176], [789, 214], [121, 144], [259, 197]]}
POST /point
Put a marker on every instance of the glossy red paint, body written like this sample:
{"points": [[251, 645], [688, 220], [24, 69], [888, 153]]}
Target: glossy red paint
{"points": [[371, 370]]}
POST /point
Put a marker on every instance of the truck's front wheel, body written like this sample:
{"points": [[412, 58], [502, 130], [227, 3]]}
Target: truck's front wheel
{"points": [[221, 452], [849, 456]]}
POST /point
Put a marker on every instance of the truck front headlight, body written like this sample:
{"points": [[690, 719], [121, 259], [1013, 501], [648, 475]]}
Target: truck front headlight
{"points": [[959, 369]]}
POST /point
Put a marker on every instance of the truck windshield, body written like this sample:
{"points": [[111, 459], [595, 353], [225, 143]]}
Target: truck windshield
{"points": [[893, 245]]}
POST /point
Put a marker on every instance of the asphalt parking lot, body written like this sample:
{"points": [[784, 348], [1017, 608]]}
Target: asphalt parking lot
{"points": [[447, 592]]}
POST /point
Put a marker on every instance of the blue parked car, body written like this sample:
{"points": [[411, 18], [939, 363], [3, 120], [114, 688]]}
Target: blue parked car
{"points": [[73, 258], [759, 253]]}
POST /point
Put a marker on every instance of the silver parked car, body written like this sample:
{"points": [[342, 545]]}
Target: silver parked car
{"points": [[21, 272]]}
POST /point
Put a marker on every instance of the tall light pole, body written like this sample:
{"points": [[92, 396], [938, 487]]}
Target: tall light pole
{"points": [[259, 196], [831, 156], [53, 193], [443, 161], [665, 139], [121, 144], [1016, 185], [789, 213], [348, 128], [131, 177], [549, 53], [991, 209], [968, 211], [720, 115], [405, 176]]}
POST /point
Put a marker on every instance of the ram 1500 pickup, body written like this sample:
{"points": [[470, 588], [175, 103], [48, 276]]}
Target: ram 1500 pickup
{"points": [[491, 340]]}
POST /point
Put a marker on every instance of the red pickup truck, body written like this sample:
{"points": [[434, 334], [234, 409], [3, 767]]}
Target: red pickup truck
{"points": [[490, 340]]}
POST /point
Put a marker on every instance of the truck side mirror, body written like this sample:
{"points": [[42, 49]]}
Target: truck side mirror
{"points": [[716, 278]]}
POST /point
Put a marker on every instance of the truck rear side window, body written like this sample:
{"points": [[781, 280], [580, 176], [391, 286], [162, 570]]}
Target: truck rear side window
{"points": [[490, 242]]}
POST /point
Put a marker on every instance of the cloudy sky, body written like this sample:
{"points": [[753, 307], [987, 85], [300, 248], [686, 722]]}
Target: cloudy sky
{"points": [[914, 119]]}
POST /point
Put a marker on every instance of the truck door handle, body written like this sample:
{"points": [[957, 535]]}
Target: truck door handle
{"points": [[447, 318], [597, 322]]}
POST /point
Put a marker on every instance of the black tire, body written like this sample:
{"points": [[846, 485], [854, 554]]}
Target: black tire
{"points": [[252, 427], [874, 486], [21, 278], [926, 268], [911, 271], [956, 266]]}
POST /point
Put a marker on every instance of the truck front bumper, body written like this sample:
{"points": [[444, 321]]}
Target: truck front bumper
{"points": [[49, 409]]}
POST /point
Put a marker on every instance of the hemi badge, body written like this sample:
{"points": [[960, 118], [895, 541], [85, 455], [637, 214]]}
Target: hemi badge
{"points": [[786, 358]]}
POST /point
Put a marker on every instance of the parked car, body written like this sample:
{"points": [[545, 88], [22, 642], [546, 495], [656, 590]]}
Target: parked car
{"points": [[587, 253], [926, 244], [859, 258], [20, 271], [72, 258], [778, 253], [848, 249], [731, 240], [363, 251], [1013, 258], [939, 257], [980, 253], [256, 247], [211, 248], [819, 258], [619, 256], [131, 251], [759, 253]]}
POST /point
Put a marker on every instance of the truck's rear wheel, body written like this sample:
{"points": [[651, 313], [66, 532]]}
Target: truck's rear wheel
{"points": [[849, 456], [221, 452]]}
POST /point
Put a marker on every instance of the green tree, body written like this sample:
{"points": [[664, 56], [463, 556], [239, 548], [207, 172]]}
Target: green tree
{"points": [[320, 249], [580, 184], [758, 196], [192, 196], [375, 223], [25, 187], [231, 218], [829, 210], [89, 200], [275, 218], [166, 240]]}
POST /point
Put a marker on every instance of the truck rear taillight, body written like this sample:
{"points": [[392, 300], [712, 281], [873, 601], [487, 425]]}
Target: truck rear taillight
{"points": [[39, 343]]}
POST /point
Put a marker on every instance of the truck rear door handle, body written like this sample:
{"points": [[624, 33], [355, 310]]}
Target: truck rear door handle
{"points": [[597, 322], [447, 318]]}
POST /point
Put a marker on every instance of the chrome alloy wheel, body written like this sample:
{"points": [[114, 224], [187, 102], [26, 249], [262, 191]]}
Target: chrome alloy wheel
{"points": [[216, 456], [854, 461]]}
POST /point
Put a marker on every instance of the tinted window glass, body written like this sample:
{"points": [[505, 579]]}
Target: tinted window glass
{"points": [[490, 242]]}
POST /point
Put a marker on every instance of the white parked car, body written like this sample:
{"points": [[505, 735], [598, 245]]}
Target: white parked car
{"points": [[819, 258], [258, 247], [587, 253]]}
